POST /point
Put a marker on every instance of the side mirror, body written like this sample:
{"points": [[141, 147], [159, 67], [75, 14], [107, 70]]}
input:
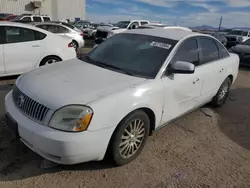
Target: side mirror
{"points": [[182, 67]]}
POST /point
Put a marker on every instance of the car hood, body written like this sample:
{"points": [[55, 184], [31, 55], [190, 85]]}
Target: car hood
{"points": [[73, 82], [240, 48]]}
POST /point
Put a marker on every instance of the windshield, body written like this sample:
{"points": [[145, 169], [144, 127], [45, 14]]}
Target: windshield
{"points": [[17, 18], [238, 32], [137, 55], [122, 24]]}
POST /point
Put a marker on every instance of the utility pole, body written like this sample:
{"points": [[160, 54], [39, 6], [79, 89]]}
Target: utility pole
{"points": [[220, 23]]}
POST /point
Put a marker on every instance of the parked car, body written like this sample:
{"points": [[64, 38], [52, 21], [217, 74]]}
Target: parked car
{"points": [[31, 18], [237, 36], [76, 35], [243, 50], [90, 32], [105, 32], [164, 26], [24, 47], [111, 100], [6, 17], [220, 37]]}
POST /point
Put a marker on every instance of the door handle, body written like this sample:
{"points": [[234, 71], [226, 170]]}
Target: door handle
{"points": [[35, 46]]}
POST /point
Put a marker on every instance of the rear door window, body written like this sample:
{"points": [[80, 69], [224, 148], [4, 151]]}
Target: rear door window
{"points": [[209, 50]]}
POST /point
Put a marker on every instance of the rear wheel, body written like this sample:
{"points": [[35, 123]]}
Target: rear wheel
{"points": [[223, 93], [74, 44], [50, 60], [130, 137]]}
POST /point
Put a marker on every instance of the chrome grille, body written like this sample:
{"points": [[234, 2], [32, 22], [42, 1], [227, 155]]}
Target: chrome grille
{"points": [[28, 106]]}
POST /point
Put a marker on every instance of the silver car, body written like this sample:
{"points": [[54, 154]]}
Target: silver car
{"points": [[64, 30]]}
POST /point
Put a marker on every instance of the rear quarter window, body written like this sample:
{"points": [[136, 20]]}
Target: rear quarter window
{"points": [[222, 51], [39, 35], [46, 19]]}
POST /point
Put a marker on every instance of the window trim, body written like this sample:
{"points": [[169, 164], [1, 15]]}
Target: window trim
{"points": [[201, 56], [27, 17]]}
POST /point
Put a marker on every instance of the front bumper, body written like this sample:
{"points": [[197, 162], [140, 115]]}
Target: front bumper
{"points": [[58, 146]]}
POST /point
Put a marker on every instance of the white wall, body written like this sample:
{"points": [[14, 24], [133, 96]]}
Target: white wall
{"points": [[57, 9]]}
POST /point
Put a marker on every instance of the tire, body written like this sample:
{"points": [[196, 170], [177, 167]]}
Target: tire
{"points": [[49, 60], [125, 153], [222, 95], [75, 44]]}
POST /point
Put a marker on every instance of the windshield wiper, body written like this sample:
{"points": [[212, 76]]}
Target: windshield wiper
{"points": [[104, 65]]}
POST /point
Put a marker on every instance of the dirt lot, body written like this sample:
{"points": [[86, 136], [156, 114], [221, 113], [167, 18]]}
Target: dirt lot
{"points": [[206, 149]]}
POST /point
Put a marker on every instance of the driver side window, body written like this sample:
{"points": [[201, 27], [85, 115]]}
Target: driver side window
{"points": [[188, 52]]}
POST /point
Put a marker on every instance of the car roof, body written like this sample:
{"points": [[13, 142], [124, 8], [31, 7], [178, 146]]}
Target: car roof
{"points": [[174, 34], [28, 26]]}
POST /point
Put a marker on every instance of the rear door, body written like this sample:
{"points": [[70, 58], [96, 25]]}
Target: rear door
{"points": [[211, 68], [2, 41], [23, 49]]}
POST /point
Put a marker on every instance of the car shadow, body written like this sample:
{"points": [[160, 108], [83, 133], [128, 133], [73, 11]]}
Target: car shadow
{"points": [[234, 118], [17, 162]]}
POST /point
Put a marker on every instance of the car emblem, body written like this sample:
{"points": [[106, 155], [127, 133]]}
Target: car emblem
{"points": [[20, 100]]}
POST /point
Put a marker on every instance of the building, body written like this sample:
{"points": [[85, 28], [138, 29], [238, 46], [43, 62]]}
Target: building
{"points": [[56, 9]]}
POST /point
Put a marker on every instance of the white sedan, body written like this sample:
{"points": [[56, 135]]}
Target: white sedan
{"points": [[111, 100], [24, 47]]}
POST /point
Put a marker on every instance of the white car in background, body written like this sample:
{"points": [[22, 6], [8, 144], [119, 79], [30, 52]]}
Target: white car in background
{"points": [[111, 100], [164, 26], [104, 32], [64, 29], [24, 47]]}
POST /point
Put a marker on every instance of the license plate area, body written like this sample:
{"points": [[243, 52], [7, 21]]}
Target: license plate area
{"points": [[13, 125]]}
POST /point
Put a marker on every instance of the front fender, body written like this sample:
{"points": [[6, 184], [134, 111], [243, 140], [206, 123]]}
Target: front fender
{"points": [[109, 111]]}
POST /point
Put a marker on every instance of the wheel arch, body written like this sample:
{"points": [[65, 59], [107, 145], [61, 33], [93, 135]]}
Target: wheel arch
{"points": [[231, 77], [55, 56], [149, 112]]}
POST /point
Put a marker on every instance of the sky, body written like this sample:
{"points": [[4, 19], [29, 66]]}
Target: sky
{"points": [[235, 13]]}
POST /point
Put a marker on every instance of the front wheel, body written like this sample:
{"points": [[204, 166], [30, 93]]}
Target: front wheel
{"points": [[222, 94], [130, 137]]}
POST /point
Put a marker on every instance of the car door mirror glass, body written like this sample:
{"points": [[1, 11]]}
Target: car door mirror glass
{"points": [[182, 67]]}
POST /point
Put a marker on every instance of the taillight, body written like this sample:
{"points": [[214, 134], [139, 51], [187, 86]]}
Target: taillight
{"points": [[70, 45], [82, 34]]}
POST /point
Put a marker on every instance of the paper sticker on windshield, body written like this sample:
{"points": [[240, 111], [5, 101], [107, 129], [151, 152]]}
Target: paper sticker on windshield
{"points": [[161, 45]]}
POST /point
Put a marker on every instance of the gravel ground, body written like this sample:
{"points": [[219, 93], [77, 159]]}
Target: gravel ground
{"points": [[208, 148]]}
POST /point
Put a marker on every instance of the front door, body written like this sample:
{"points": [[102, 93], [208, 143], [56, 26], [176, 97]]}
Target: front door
{"points": [[26, 49], [182, 91]]}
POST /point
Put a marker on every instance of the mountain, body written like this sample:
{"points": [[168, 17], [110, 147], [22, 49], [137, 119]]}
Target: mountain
{"points": [[207, 27]]}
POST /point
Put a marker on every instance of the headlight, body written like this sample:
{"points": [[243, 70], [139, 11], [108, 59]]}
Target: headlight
{"points": [[73, 118]]}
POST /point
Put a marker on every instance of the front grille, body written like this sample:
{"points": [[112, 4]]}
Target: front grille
{"points": [[28, 106], [101, 34]]}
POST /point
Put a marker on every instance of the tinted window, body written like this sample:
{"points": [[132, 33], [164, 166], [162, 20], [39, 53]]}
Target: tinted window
{"points": [[43, 27], [144, 23], [37, 19], [39, 35], [46, 19], [139, 55], [222, 50], [188, 52], [2, 35], [61, 29], [26, 19], [18, 34], [209, 50]]}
